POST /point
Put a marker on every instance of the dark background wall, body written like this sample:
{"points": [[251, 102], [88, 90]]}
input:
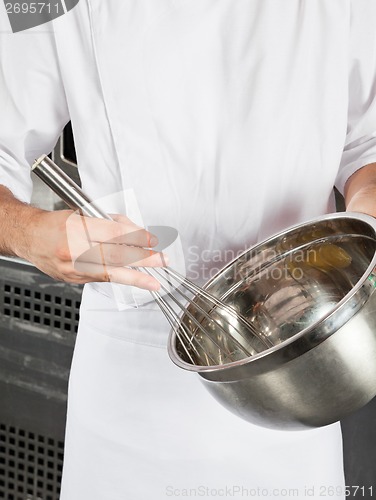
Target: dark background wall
{"points": [[359, 441]]}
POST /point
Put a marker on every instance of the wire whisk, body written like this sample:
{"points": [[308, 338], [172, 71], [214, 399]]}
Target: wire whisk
{"points": [[210, 331]]}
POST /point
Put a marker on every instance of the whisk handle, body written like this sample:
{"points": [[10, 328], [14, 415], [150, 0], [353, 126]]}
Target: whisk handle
{"points": [[52, 175]]}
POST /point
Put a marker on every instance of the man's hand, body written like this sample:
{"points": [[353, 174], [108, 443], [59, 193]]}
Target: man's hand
{"points": [[360, 191], [77, 249]]}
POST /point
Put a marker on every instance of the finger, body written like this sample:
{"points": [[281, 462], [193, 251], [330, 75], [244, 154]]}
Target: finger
{"points": [[102, 230], [90, 272], [152, 239], [119, 255]]}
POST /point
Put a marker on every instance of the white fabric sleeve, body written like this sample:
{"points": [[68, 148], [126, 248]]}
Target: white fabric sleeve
{"points": [[360, 147], [33, 107]]}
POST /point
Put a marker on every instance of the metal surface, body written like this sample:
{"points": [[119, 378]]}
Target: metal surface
{"points": [[67, 190], [311, 290], [30, 465], [64, 155], [38, 324]]}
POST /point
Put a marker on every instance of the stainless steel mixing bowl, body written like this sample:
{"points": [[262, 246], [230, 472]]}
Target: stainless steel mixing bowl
{"points": [[310, 291]]}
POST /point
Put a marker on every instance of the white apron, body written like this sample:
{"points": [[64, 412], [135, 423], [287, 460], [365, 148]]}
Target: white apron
{"points": [[139, 427], [227, 120]]}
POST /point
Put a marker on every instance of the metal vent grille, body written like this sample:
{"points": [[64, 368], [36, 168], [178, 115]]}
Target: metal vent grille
{"points": [[39, 308], [30, 465], [38, 324]]}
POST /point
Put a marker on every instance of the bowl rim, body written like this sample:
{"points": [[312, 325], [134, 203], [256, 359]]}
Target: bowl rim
{"points": [[358, 216]]}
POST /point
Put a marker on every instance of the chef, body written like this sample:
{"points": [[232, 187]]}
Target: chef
{"points": [[227, 120]]}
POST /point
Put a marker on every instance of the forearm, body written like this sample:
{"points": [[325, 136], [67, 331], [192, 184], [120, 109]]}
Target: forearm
{"points": [[77, 249], [15, 218], [360, 190]]}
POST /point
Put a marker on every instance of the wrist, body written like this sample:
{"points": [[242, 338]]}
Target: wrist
{"points": [[26, 219], [364, 200]]}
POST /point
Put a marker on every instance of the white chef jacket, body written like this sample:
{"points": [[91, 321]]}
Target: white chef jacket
{"points": [[227, 120]]}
